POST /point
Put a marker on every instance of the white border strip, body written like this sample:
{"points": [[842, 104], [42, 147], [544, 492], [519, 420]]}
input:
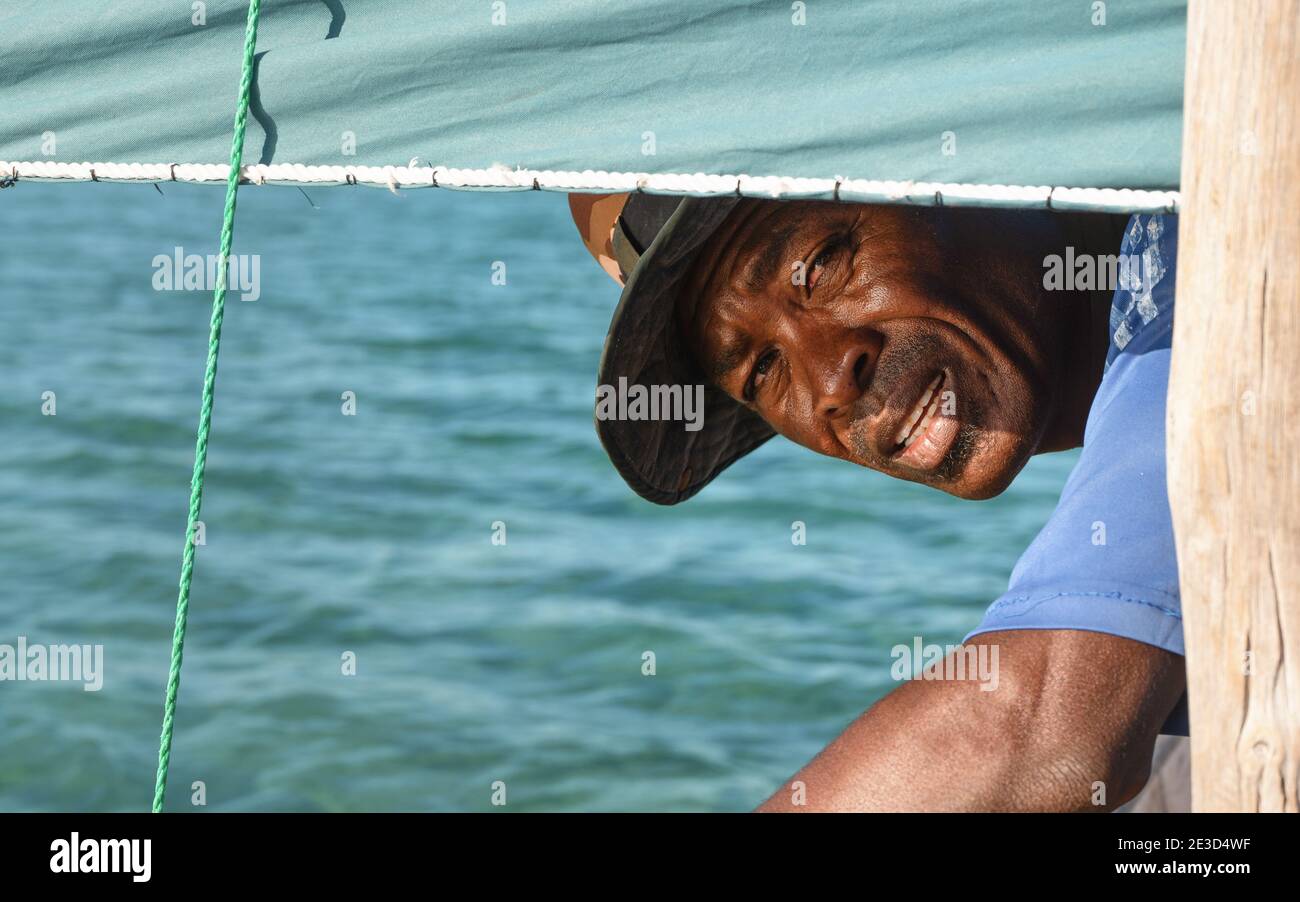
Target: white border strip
{"points": [[1111, 200]]}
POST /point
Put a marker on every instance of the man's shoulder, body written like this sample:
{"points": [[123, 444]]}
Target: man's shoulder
{"points": [[1141, 328]]}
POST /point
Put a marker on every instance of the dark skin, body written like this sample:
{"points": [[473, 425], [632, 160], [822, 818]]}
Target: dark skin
{"points": [[888, 304], [836, 323]]}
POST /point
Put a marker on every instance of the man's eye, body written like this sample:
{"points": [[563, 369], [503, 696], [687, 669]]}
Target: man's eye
{"points": [[818, 264], [821, 261], [761, 367]]}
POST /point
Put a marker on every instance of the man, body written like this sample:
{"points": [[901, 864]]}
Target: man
{"points": [[946, 347]]}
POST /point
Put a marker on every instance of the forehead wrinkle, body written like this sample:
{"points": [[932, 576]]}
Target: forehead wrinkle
{"points": [[714, 296], [732, 351], [732, 343], [765, 260], [717, 265]]}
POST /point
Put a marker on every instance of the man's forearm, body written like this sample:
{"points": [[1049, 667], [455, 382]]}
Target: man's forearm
{"points": [[1073, 721], [916, 750]]}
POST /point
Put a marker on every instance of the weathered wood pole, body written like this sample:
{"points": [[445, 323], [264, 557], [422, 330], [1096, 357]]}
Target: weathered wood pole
{"points": [[1234, 403]]}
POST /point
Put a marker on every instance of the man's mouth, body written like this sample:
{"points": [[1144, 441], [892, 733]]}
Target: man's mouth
{"points": [[927, 432]]}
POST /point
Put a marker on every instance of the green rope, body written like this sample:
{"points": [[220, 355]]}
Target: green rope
{"points": [[205, 410]]}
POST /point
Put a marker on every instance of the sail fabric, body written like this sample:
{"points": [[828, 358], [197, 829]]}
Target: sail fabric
{"points": [[983, 92]]}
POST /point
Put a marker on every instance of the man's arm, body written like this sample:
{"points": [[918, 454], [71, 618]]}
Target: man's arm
{"points": [[1071, 708]]}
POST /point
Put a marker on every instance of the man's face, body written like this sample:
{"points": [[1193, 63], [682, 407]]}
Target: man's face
{"points": [[914, 342]]}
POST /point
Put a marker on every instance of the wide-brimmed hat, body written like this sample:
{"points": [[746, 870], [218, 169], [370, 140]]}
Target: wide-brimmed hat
{"points": [[650, 246]]}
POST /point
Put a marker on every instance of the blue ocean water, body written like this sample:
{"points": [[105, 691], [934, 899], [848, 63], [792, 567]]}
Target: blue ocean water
{"points": [[371, 534]]}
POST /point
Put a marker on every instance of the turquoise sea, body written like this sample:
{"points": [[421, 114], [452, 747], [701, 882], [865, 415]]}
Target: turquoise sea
{"points": [[372, 534]]}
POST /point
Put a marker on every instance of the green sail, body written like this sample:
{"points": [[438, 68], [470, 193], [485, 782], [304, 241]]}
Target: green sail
{"points": [[1058, 93]]}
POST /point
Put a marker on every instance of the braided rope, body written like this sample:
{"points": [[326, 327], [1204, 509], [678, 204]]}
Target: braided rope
{"points": [[205, 410], [1104, 200]]}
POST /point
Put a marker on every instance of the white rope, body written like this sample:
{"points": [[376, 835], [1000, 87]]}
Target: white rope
{"points": [[1114, 200]]}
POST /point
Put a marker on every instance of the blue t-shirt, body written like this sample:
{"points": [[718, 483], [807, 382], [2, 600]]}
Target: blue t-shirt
{"points": [[1105, 561]]}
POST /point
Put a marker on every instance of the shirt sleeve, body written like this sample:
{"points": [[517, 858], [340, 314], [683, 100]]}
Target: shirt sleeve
{"points": [[1106, 561]]}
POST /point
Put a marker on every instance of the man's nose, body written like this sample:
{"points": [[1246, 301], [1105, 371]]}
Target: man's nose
{"points": [[843, 377]]}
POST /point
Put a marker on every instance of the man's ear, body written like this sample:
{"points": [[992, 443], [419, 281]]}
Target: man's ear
{"points": [[595, 216]]}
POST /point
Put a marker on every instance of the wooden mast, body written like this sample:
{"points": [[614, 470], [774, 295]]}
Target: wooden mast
{"points": [[1234, 403]]}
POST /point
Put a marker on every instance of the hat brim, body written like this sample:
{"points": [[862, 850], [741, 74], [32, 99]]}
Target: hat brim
{"points": [[661, 459]]}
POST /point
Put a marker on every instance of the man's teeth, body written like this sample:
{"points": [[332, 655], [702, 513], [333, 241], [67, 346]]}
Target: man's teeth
{"points": [[923, 412]]}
